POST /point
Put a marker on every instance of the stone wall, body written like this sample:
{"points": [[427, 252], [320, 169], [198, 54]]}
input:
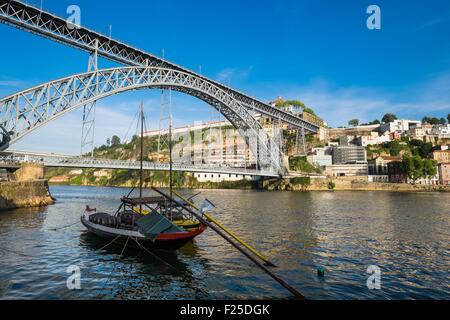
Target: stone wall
{"points": [[29, 172], [362, 184], [20, 194], [350, 184]]}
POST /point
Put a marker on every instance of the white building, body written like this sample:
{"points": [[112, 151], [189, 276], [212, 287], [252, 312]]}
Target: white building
{"points": [[399, 126], [347, 170], [220, 177], [442, 132], [416, 133], [321, 157], [373, 139], [102, 173]]}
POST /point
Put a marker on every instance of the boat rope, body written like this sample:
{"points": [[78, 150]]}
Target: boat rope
{"points": [[110, 243], [115, 265], [64, 227], [155, 256]]}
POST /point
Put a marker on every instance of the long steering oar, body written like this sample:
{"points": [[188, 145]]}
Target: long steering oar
{"points": [[230, 233], [204, 221]]}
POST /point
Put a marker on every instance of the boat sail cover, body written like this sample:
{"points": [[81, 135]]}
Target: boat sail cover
{"points": [[154, 224]]}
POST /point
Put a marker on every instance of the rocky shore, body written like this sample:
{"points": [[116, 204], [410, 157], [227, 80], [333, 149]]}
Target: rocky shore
{"points": [[27, 188], [348, 184], [24, 194]]}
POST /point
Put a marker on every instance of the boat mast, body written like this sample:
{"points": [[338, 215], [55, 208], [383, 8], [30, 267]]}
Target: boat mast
{"points": [[170, 153], [141, 179]]}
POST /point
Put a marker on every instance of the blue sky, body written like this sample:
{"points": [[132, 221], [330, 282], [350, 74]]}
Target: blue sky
{"points": [[318, 51]]}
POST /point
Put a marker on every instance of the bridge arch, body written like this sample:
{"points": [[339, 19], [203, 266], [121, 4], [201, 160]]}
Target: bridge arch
{"points": [[26, 111]]}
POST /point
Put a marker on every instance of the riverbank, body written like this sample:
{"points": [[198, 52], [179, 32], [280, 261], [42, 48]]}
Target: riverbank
{"points": [[24, 194], [129, 179], [347, 184], [226, 185], [283, 185]]}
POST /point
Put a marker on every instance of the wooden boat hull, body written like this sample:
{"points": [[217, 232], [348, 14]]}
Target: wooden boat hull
{"points": [[165, 241]]}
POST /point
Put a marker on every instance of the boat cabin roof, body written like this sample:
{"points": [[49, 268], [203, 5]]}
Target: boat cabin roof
{"points": [[145, 200]]}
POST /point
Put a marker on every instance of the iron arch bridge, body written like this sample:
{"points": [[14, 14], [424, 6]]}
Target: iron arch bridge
{"points": [[37, 21], [26, 111]]}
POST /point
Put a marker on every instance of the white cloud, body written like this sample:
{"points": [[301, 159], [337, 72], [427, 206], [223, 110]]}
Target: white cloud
{"points": [[229, 75], [431, 23], [11, 83], [337, 105]]}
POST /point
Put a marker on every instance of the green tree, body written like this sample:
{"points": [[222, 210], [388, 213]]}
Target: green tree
{"points": [[412, 167], [309, 110], [115, 141], [430, 120], [389, 117], [448, 118], [108, 142], [442, 121], [394, 148], [425, 149], [295, 103], [354, 122], [429, 168]]}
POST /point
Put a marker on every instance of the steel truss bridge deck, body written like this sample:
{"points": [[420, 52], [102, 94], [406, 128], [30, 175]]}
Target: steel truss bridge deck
{"points": [[31, 19], [63, 161]]}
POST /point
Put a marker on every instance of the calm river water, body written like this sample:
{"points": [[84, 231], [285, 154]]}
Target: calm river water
{"points": [[405, 235]]}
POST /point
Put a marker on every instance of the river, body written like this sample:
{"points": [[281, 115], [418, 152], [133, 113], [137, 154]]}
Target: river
{"points": [[405, 234]]}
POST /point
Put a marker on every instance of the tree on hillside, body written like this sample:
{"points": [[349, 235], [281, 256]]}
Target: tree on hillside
{"points": [[448, 118], [280, 103], [394, 148], [376, 121], [389, 117], [412, 167], [295, 103], [431, 120], [309, 110], [415, 167], [442, 121], [418, 147], [429, 168], [354, 122], [434, 121], [115, 141], [108, 142]]}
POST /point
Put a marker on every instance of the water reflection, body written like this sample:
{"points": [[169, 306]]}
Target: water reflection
{"points": [[406, 235]]}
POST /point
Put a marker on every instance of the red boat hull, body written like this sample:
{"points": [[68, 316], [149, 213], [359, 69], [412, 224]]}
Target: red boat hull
{"points": [[165, 241]]}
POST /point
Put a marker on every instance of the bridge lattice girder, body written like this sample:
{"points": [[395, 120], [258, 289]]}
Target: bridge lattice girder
{"points": [[29, 18], [83, 163], [28, 110]]}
